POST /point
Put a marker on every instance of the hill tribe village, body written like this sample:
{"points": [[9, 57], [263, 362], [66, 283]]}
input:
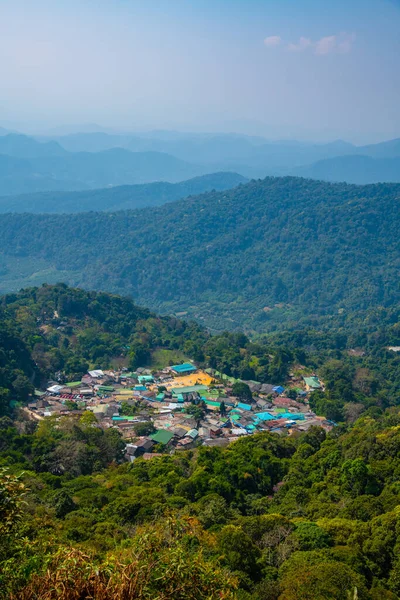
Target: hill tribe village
{"points": [[180, 407]]}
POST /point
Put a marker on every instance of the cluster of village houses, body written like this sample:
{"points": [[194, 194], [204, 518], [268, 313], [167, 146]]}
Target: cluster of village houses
{"points": [[164, 399]]}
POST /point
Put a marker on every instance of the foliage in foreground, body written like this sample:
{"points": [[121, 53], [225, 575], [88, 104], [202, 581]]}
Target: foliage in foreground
{"points": [[158, 564], [267, 518]]}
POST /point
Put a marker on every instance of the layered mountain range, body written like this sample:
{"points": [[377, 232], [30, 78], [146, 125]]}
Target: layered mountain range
{"points": [[87, 161]]}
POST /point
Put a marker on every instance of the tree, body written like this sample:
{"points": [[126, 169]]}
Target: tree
{"points": [[88, 419], [144, 428], [239, 552], [322, 581], [355, 476], [222, 409], [196, 410], [242, 391], [314, 437], [12, 493], [353, 410], [128, 409], [71, 405], [63, 504], [311, 537], [22, 387], [4, 401], [213, 510]]}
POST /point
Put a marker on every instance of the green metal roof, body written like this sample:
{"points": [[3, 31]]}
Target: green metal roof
{"points": [[312, 382], [189, 389], [162, 436]]}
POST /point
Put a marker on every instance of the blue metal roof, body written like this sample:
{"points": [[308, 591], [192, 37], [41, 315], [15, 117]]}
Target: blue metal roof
{"points": [[184, 368], [244, 406], [292, 416], [265, 416]]}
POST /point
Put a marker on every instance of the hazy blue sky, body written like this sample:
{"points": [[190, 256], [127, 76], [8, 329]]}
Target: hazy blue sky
{"points": [[313, 69]]}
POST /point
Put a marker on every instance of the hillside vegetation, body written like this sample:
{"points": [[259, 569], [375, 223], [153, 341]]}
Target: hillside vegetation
{"points": [[267, 518], [312, 516], [260, 255], [56, 332]]}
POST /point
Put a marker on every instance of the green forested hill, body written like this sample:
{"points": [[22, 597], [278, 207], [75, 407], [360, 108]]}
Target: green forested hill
{"points": [[17, 368], [56, 329], [264, 253], [57, 332], [119, 197]]}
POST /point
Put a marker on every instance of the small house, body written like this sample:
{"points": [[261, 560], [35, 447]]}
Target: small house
{"points": [[312, 383]]}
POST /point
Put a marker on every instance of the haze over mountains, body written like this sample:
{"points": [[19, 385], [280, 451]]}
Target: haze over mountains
{"points": [[119, 197], [87, 161], [264, 252], [252, 156], [355, 169]]}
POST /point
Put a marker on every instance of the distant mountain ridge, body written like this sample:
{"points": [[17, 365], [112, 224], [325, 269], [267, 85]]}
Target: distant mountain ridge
{"points": [[219, 149], [357, 169], [90, 161], [118, 198], [84, 170], [23, 146], [256, 157]]}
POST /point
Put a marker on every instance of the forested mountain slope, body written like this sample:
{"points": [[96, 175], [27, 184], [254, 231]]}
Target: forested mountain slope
{"points": [[60, 332], [56, 329], [119, 197], [17, 367], [261, 253]]}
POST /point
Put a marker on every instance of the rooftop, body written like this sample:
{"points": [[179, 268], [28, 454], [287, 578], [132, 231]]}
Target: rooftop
{"points": [[184, 368], [162, 436]]}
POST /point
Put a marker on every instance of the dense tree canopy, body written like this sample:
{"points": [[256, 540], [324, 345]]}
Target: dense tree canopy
{"points": [[268, 517]]}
